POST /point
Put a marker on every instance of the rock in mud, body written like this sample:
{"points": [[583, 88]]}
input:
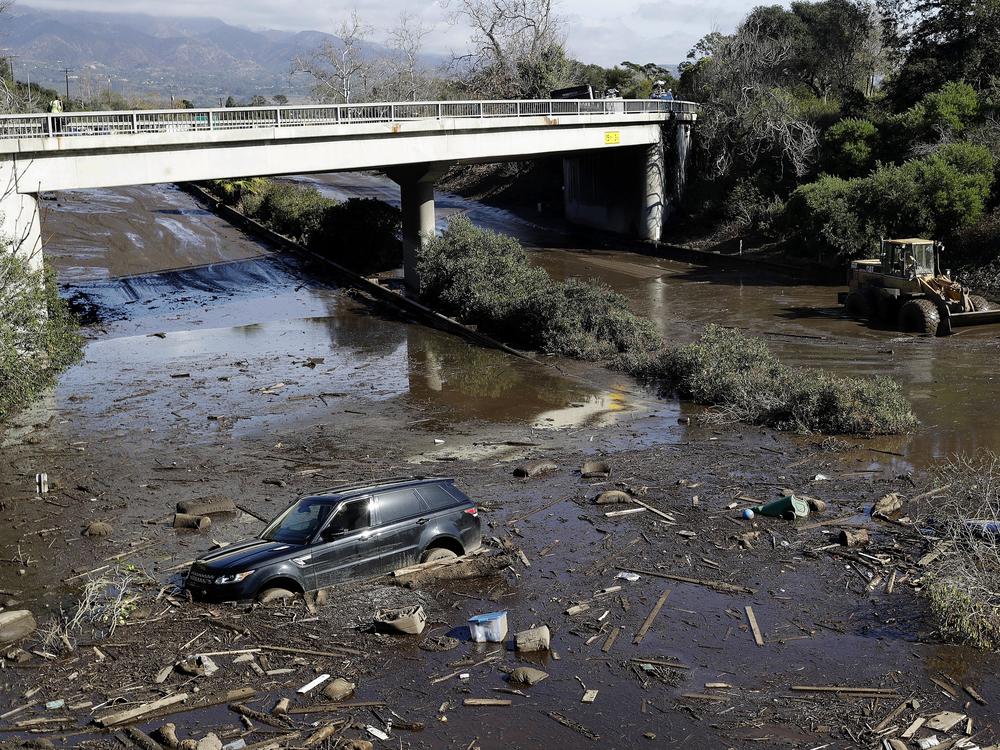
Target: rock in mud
{"points": [[612, 497], [534, 469], [16, 624], [440, 643], [533, 639], [167, 736], [97, 529], [187, 521], [338, 689], [357, 745], [595, 470], [207, 506], [887, 506], [528, 676], [850, 538], [209, 742]]}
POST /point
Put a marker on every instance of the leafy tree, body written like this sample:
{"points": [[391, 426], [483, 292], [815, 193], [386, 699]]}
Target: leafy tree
{"points": [[850, 146], [280, 99], [938, 41], [230, 102], [952, 108], [258, 101]]}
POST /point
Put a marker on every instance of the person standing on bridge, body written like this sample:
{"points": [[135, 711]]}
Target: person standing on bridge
{"points": [[56, 108]]}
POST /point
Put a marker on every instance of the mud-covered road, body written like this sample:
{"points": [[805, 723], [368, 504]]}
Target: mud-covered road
{"points": [[227, 370]]}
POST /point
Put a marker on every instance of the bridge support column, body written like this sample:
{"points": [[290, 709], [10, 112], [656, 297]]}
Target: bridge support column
{"points": [[654, 187], [20, 222], [416, 197]]}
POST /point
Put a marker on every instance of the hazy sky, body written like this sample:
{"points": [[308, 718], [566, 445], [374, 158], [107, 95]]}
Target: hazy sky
{"points": [[602, 31]]}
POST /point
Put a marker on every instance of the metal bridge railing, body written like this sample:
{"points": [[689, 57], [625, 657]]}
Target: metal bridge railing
{"points": [[72, 124]]}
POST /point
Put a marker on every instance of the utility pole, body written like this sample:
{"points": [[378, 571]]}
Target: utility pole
{"points": [[66, 72]]}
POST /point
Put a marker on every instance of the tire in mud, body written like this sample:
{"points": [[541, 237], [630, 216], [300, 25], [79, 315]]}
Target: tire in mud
{"points": [[437, 554], [275, 596], [980, 304], [857, 306], [919, 316]]}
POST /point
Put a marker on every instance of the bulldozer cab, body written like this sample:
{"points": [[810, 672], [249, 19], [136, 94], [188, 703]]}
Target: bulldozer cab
{"points": [[908, 259]]}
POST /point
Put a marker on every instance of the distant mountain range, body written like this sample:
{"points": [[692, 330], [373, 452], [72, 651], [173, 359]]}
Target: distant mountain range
{"points": [[201, 59]]}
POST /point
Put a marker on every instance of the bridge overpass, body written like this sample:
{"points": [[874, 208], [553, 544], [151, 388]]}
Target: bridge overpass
{"points": [[613, 150]]}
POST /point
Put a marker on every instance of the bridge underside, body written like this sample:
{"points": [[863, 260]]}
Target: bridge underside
{"points": [[414, 154]]}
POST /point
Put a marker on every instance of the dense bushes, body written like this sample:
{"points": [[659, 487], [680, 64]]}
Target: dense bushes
{"points": [[38, 334], [935, 196], [361, 234], [484, 279], [742, 379]]}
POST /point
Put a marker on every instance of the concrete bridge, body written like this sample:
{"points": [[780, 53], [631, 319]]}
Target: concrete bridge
{"points": [[617, 153]]}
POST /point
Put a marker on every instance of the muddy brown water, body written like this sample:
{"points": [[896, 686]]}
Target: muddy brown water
{"points": [[953, 383]]}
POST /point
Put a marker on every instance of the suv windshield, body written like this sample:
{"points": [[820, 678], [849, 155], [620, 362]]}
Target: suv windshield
{"points": [[300, 522]]}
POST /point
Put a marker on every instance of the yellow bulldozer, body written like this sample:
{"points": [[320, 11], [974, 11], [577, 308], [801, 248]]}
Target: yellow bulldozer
{"points": [[906, 288]]}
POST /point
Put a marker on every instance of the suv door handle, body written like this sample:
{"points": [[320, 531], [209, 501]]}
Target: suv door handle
{"points": [[421, 521]]}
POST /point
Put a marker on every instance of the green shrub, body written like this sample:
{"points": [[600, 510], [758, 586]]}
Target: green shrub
{"points": [[935, 196], [952, 108], [850, 146], [361, 234], [295, 211], [39, 337], [485, 279], [743, 381]]}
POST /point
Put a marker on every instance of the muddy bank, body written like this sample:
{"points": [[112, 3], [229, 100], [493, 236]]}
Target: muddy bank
{"points": [[821, 621]]}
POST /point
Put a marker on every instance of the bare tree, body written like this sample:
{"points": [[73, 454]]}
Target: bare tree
{"points": [[748, 115], [409, 78], [516, 47], [343, 70]]}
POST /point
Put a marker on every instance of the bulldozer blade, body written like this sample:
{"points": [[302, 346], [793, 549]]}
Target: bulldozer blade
{"points": [[975, 318]]}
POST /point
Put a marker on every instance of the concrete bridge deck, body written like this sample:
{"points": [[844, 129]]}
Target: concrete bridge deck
{"points": [[414, 142]]}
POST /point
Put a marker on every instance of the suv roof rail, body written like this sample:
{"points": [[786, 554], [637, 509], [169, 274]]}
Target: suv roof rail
{"points": [[388, 481]]}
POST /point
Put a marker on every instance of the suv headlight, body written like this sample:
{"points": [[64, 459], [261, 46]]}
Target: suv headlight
{"points": [[234, 577]]}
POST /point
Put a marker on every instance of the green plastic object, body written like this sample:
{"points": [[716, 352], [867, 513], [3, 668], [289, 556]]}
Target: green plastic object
{"points": [[789, 507]]}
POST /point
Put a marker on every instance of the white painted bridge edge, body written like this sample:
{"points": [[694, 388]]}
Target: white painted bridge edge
{"points": [[83, 124]]}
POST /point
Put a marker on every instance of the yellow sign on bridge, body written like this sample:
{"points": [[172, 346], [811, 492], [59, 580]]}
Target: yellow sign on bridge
{"points": [[612, 137]]}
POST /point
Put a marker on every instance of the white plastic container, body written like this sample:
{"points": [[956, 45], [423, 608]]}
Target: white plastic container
{"points": [[489, 628]]}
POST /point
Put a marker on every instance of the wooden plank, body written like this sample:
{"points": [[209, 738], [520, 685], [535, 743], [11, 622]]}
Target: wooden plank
{"points": [[325, 707], [309, 652], [486, 702], [589, 697], [891, 716], [651, 509], [124, 716], [628, 512], [652, 616], [660, 663], [758, 638], [611, 640], [913, 728]]}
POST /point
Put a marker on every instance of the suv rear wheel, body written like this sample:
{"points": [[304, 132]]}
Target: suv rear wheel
{"points": [[437, 554]]}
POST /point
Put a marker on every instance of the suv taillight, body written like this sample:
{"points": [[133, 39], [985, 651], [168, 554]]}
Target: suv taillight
{"points": [[472, 511]]}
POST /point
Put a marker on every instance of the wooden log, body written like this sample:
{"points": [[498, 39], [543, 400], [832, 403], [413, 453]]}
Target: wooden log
{"points": [[842, 689], [186, 521], [487, 702], [720, 586]]}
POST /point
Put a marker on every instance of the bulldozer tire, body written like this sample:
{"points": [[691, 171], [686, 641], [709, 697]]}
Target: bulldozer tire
{"points": [[980, 304], [857, 305], [919, 316], [888, 310]]}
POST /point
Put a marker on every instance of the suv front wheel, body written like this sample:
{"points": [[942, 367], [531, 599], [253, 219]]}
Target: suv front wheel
{"points": [[437, 554]]}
